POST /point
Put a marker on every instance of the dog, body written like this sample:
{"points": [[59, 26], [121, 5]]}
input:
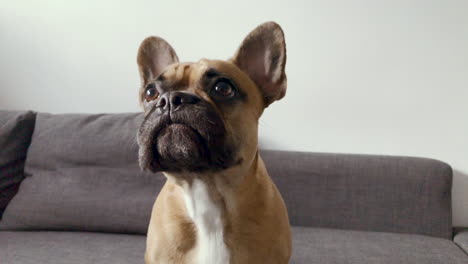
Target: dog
{"points": [[218, 205]]}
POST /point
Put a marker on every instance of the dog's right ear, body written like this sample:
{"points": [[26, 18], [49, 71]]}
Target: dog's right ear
{"points": [[154, 55]]}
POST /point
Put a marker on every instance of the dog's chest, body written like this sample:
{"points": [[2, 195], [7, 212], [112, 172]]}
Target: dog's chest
{"points": [[206, 215]]}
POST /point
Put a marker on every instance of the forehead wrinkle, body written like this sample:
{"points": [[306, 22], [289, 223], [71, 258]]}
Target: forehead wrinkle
{"points": [[180, 71], [178, 76], [196, 72]]}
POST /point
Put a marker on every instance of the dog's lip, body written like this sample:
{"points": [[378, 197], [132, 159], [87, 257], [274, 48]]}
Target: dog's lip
{"points": [[157, 131], [203, 120], [154, 164]]}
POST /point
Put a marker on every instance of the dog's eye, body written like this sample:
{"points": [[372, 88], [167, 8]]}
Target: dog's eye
{"points": [[151, 93], [224, 89]]}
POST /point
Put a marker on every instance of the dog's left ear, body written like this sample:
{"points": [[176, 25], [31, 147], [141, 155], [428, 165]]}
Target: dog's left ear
{"points": [[262, 55]]}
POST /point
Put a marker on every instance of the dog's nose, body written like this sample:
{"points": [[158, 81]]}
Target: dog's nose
{"points": [[172, 100]]}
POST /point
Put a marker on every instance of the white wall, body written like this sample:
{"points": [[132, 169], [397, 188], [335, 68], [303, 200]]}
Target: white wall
{"points": [[367, 76]]}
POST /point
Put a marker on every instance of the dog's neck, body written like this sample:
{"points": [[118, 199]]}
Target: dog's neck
{"points": [[220, 185], [212, 202]]}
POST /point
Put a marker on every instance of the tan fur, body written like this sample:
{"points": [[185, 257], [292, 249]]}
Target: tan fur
{"points": [[254, 216]]}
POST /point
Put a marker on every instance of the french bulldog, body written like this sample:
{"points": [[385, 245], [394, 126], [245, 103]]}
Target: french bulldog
{"points": [[218, 205]]}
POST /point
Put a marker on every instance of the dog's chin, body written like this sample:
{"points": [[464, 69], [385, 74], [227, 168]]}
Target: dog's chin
{"points": [[179, 147]]}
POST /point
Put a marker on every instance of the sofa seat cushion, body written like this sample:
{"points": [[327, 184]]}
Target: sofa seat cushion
{"points": [[333, 246], [18, 247], [310, 246], [461, 239]]}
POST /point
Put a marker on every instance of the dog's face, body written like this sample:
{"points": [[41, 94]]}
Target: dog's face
{"points": [[203, 116]]}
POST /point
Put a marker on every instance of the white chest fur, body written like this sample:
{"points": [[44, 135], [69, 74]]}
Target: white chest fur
{"points": [[206, 215]]}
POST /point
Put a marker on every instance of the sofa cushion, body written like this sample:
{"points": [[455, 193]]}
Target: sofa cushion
{"points": [[461, 239], [364, 192], [16, 129], [84, 176], [333, 246], [70, 248], [310, 246]]}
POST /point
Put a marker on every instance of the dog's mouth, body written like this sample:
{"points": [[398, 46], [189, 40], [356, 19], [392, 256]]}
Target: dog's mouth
{"points": [[179, 146], [193, 139]]}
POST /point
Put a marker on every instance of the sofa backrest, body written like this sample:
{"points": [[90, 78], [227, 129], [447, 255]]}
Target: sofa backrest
{"points": [[16, 128], [82, 174], [364, 192]]}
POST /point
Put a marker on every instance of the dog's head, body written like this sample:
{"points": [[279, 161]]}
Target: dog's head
{"points": [[203, 116]]}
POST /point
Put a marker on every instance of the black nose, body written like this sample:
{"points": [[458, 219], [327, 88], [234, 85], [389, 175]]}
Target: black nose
{"points": [[170, 101]]}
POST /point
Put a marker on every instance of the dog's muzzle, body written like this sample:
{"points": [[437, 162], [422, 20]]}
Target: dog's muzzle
{"points": [[183, 132]]}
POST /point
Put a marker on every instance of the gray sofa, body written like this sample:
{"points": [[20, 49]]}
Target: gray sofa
{"points": [[82, 198]]}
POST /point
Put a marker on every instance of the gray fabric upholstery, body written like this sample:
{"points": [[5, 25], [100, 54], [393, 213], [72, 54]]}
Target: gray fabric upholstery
{"points": [[333, 246], [70, 248], [461, 239], [310, 246], [84, 175], [364, 192], [15, 135]]}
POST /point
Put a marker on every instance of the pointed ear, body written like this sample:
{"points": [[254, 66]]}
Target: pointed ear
{"points": [[262, 55], [154, 55]]}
